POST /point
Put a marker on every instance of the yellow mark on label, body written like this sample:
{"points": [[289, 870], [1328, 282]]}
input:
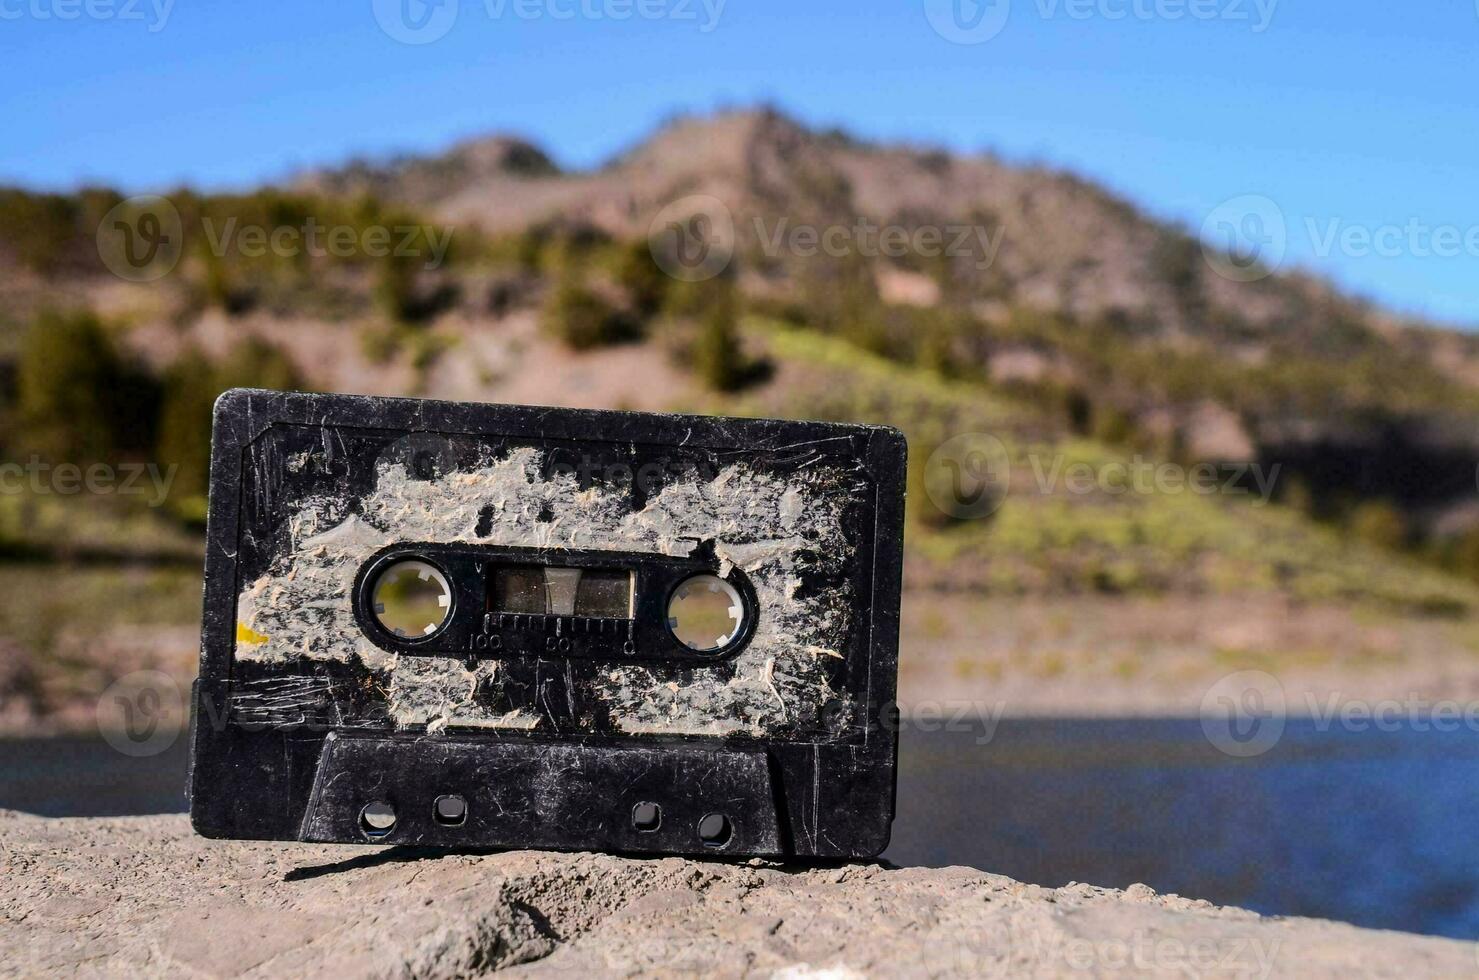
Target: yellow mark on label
{"points": [[245, 634]]}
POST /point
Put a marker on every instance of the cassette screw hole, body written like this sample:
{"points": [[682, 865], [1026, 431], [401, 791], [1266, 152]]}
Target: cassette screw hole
{"points": [[451, 811], [412, 599], [705, 613], [377, 819], [715, 830], [646, 817]]}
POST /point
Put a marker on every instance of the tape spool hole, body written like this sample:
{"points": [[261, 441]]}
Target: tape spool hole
{"points": [[377, 819], [646, 817], [715, 830], [706, 613], [411, 599]]}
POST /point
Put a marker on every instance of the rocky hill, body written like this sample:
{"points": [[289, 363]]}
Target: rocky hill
{"points": [[1055, 283]]}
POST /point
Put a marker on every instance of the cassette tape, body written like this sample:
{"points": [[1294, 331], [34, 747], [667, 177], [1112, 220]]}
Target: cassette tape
{"points": [[470, 625]]}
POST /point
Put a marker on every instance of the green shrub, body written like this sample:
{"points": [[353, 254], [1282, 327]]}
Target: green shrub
{"points": [[77, 398], [580, 318], [1112, 425], [42, 230], [639, 274], [1464, 554], [717, 356], [191, 387], [401, 295], [221, 285], [395, 289], [1378, 522]]}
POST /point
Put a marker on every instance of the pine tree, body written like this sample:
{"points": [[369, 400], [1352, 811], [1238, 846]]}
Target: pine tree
{"points": [[717, 355], [578, 317], [70, 380]]}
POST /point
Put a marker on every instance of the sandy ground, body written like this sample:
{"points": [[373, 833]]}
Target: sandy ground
{"points": [[1090, 656], [143, 896]]}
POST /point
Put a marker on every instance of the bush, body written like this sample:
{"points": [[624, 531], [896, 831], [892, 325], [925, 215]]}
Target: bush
{"points": [[841, 298], [639, 274], [191, 388], [41, 229], [1378, 522], [1464, 554], [395, 289], [1112, 425], [220, 286], [402, 296], [717, 356], [580, 318], [76, 396]]}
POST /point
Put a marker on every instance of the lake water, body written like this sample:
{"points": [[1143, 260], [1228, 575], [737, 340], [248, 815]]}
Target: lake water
{"points": [[1367, 827]]}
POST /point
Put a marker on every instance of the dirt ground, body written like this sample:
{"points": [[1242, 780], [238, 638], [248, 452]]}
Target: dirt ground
{"points": [[1087, 656]]}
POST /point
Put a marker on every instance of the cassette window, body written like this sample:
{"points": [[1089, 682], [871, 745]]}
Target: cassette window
{"points": [[597, 593]]}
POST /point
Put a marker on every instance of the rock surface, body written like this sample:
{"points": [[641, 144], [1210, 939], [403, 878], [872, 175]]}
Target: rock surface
{"points": [[136, 896]]}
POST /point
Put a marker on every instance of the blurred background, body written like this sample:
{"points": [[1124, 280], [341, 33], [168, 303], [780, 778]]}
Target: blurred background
{"points": [[1173, 300]]}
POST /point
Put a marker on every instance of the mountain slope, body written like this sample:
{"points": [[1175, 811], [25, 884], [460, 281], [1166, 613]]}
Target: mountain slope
{"points": [[1066, 244], [1058, 289]]}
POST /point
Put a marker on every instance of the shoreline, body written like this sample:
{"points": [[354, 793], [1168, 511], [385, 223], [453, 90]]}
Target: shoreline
{"points": [[1029, 657]]}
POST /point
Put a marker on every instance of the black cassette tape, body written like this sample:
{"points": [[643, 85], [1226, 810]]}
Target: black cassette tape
{"points": [[495, 626]]}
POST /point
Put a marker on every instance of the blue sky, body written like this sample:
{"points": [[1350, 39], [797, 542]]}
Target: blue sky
{"points": [[1351, 117]]}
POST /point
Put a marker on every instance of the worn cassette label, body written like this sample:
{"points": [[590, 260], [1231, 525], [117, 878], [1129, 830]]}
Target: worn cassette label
{"points": [[506, 608]]}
